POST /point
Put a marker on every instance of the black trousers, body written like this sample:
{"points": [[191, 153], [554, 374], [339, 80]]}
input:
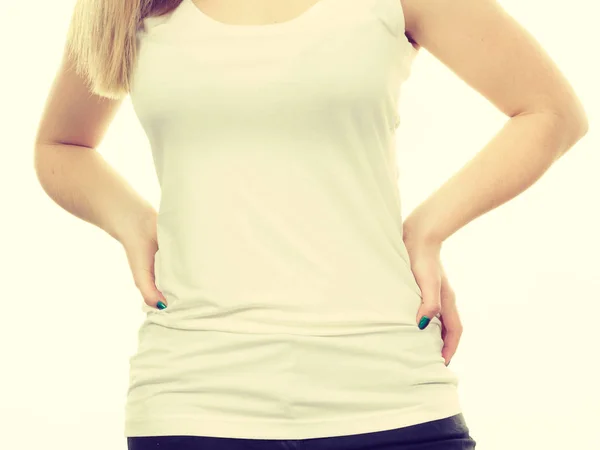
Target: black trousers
{"points": [[450, 433]]}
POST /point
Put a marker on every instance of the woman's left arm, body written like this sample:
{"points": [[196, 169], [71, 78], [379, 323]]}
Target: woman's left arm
{"points": [[482, 44]]}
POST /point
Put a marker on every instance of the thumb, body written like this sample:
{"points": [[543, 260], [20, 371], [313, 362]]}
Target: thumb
{"points": [[141, 257], [429, 281], [145, 282]]}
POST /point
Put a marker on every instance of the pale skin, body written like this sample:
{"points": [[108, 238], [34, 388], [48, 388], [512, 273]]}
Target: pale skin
{"points": [[476, 39], [497, 57]]}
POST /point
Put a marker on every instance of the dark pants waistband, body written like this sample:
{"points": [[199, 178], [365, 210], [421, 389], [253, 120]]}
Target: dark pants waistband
{"points": [[450, 433]]}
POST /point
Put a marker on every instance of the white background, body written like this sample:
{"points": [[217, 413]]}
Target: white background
{"points": [[526, 273]]}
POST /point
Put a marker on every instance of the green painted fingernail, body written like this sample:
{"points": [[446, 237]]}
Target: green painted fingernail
{"points": [[161, 305], [424, 322]]}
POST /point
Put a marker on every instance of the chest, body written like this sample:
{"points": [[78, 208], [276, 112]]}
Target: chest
{"points": [[337, 54], [255, 12]]}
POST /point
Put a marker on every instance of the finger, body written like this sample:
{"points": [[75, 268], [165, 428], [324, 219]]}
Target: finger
{"points": [[451, 340], [429, 282], [453, 331], [143, 275], [152, 296]]}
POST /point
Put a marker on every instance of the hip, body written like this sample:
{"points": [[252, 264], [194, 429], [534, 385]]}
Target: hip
{"points": [[275, 380]]}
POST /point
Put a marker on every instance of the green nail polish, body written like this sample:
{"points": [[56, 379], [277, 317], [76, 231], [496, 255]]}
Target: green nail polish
{"points": [[424, 322], [161, 305]]}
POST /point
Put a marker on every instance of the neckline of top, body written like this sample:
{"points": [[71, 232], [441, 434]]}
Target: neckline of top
{"points": [[257, 28]]}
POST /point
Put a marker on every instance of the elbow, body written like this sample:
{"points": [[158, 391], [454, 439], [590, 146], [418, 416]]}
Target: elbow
{"points": [[573, 119], [576, 124], [576, 127], [584, 126], [572, 123], [567, 116]]}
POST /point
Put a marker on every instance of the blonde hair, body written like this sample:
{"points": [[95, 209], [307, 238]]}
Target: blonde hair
{"points": [[101, 40]]}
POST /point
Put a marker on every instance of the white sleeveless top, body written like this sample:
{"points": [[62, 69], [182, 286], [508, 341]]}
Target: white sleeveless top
{"points": [[291, 302]]}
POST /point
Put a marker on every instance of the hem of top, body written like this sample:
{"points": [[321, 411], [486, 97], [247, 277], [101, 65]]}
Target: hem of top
{"points": [[283, 430]]}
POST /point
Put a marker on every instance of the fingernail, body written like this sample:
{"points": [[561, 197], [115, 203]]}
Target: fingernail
{"points": [[424, 322], [161, 305]]}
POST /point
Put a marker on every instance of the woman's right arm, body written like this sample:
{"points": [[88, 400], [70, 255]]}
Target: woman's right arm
{"points": [[71, 171]]}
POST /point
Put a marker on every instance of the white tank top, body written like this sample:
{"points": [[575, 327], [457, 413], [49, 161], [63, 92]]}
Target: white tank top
{"points": [[291, 302]]}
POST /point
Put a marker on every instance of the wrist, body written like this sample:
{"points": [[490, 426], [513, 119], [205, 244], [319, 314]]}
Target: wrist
{"points": [[136, 224], [418, 232]]}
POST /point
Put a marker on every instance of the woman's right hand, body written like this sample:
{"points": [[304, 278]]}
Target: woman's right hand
{"points": [[141, 244]]}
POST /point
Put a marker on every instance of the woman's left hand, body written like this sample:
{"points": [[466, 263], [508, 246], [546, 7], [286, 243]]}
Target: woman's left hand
{"points": [[438, 296]]}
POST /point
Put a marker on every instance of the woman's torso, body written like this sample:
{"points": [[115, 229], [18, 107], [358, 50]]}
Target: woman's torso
{"points": [[292, 306]]}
